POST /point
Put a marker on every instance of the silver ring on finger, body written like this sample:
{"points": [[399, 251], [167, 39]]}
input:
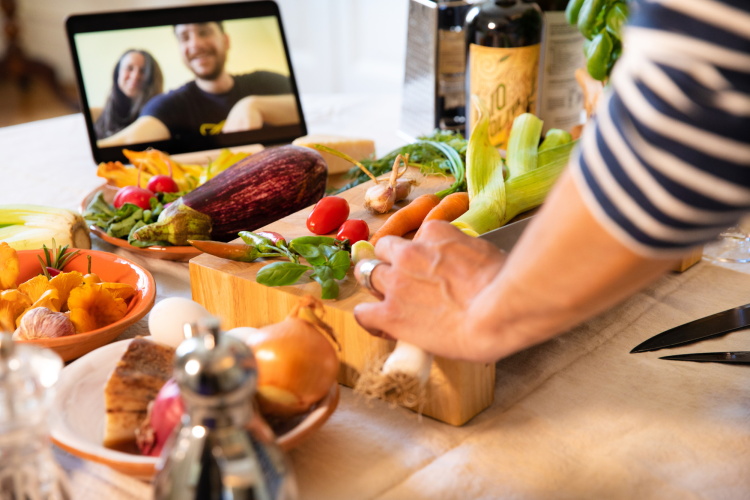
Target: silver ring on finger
{"points": [[365, 273]]}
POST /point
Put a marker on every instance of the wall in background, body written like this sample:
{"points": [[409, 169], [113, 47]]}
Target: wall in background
{"points": [[336, 45]]}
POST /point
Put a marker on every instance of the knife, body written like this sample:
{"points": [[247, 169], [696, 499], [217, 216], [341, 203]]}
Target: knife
{"points": [[737, 357], [710, 326], [506, 237]]}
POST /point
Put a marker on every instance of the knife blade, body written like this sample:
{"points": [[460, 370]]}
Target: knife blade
{"points": [[710, 326], [506, 237], [737, 357]]}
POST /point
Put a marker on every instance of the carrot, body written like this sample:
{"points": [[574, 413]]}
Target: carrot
{"points": [[408, 218], [449, 209]]}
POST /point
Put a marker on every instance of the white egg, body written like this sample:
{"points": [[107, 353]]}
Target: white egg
{"points": [[167, 319], [246, 334]]}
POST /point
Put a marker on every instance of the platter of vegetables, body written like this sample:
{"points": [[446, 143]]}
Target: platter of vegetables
{"points": [[160, 219]]}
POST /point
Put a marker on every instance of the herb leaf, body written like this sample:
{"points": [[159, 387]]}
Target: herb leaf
{"points": [[280, 274], [310, 253], [340, 264]]}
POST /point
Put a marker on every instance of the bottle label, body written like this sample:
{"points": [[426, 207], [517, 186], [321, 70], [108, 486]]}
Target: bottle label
{"points": [[451, 67], [561, 97], [506, 80]]}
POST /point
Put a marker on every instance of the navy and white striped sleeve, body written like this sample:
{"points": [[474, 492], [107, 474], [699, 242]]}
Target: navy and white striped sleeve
{"points": [[665, 163]]}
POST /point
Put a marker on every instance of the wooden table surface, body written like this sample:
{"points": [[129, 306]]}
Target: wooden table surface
{"points": [[577, 417]]}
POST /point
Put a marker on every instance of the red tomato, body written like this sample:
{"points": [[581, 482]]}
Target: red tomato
{"points": [[355, 230], [328, 215]]}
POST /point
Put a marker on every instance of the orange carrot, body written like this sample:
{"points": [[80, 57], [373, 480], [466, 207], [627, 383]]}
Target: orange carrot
{"points": [[449, 209], [408, 218]]}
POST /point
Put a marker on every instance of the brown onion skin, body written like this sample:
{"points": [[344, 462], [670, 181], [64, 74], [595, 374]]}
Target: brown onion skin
{"points": [[294, 356]]}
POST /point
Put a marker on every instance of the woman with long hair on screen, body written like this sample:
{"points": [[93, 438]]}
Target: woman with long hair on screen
{"points": [[136, 79]]}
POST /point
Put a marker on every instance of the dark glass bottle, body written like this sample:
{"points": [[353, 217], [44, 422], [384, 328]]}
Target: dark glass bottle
{"points": [[451, 75], [560, 96], [503, 39]]}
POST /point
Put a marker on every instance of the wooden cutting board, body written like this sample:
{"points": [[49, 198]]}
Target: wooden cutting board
{"points": [[457, 390]]}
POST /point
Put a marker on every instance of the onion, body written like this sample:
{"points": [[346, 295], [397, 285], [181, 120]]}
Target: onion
{"points": [[297, 363], [164, 413]]}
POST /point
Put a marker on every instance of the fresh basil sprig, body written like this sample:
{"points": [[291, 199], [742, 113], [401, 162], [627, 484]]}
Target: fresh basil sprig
{"points": [[329, 260]]}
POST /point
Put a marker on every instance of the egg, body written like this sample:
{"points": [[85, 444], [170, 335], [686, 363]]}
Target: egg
{"points": [[167, 319]]}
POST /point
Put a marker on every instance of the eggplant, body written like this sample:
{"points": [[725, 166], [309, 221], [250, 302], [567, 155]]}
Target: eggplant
{"points": [[250, 194]]}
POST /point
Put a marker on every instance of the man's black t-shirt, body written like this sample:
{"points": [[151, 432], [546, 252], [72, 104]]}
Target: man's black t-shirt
{"points": [[188, 109]]}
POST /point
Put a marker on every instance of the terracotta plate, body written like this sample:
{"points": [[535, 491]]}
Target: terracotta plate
{"points": [[110, 268], [180, 254], [78, 414]]}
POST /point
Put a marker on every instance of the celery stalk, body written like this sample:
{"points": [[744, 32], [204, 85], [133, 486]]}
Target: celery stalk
{"points": [[521, 156]]}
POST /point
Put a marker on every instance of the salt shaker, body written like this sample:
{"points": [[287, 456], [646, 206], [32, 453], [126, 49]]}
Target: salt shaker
{"points": [[223, 448], [27, 468]]}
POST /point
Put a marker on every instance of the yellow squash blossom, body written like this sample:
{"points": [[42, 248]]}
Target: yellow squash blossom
{"points": [[12, 304], [35, 287], [93, 307], [120, 290], [64, 283], [10, 267]]}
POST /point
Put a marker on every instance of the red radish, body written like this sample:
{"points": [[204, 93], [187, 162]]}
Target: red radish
{"points": [[162, 184], [165, 413], [328, 215], [52, 271], [135, 195], [354, 230]]}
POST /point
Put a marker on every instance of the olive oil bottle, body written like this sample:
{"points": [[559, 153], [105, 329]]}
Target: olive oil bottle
{"points": [[560, 96], [503, 40]]}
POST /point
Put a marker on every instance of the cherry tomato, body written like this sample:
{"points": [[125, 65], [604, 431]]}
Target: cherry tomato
{"points": [[355, 230], [328, 215]]}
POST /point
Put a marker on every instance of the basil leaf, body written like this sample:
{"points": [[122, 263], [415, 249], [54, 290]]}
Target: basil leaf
{"points": [[329, 289], [280, 274], [328, 250], [340, 264], [310, 253], [312, 240], [324, 272]]}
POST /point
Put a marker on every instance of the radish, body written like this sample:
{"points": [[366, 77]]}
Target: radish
{"points": [[162, 184], [135, 195]]}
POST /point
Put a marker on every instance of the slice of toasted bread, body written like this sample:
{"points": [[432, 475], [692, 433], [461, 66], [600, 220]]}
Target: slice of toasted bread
{"points": [[139, 375]]}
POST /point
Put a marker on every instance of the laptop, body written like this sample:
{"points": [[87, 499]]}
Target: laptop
{"points": [[188, 81]]}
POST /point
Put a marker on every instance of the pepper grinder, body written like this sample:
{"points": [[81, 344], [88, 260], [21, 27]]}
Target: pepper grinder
{"points": [[222, 448]]}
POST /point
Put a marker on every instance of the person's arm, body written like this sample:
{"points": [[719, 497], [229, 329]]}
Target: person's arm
{"points": [[565, 269], [252, 112], [144, 129], [661, 168]]}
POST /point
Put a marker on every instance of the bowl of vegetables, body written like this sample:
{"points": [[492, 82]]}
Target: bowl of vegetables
{"points": [[71, 301]]}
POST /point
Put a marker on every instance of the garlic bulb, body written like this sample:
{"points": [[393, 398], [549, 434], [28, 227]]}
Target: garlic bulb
{"points": [[41, 323]]}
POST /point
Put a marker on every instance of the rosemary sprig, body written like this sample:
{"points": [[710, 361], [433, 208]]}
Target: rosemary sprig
{"points": [[58, 259]]}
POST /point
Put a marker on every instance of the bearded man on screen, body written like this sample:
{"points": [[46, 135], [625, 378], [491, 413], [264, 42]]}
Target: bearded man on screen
{"points": [[215, 102]]}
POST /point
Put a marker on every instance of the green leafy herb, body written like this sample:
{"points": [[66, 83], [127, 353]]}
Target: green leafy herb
{"points": [[339, 264], [281, 273]]}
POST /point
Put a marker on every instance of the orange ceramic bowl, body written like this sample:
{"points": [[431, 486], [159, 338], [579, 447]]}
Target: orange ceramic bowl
{"points": [[110, 268]]}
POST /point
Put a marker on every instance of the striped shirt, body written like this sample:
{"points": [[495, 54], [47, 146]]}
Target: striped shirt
{"points": [[665, 163]]}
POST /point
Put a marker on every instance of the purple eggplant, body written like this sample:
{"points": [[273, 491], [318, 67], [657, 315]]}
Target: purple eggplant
{"points": [[250, 194]]}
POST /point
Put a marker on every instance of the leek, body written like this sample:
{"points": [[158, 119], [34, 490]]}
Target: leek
{"points": [[28, 227]]}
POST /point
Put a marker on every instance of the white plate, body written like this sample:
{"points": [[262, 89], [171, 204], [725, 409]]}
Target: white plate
{"points": [[78, 413]]}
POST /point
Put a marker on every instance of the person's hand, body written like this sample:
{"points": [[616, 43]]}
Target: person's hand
{"points": [[428, 288], [243, 116]]}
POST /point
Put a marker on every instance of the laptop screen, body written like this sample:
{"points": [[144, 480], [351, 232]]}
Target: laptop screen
{"points": [[189, 85]]}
